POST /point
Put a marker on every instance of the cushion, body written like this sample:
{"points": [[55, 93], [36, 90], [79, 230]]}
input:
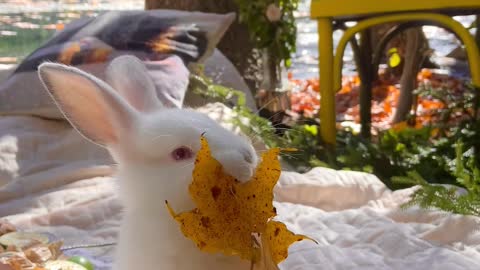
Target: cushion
{"points": [[167, 40]]}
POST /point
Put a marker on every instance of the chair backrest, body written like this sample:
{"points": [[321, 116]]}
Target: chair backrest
{"points": [[345, 9]]}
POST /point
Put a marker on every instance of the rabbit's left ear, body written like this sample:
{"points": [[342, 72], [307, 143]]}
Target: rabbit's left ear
{"points": [[171, 78], [129, 76], [88, 103]]}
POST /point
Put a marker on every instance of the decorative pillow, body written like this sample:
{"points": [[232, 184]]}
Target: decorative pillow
{"points": [[166, 40]]}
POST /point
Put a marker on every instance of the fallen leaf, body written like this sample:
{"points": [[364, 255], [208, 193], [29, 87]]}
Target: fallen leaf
{"points": [[39, 254], [22, 239], [63, 265], [385, 97], [228, 212], [16, 260], [26, 250], [277, 238], [6, 227]]}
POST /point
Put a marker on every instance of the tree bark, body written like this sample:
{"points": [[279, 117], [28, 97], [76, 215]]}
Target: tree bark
{"points": [[412, 46], [363, 60], [236, 45], [414, 57]]}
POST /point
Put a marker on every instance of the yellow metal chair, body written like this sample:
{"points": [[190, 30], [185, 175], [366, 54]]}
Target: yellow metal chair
{"points": [[368, 13]]}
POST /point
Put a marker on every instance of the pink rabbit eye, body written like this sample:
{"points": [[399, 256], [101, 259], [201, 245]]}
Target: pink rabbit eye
{"points": [[182, 153]]}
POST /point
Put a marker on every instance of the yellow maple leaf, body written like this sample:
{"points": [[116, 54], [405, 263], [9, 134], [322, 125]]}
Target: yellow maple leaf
{"points": [[277, 238], [230, 213]]}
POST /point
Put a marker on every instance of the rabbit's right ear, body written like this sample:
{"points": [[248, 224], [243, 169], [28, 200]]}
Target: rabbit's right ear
{"points": [[129, 76], [88, 103]]}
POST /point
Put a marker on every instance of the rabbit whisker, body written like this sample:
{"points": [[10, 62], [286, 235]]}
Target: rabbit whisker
{"points": [[161, 136], [186, 165]]}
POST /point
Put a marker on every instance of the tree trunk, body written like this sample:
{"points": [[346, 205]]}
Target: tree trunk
{"points": [[414, 57], [363, 60], [236, 44]]}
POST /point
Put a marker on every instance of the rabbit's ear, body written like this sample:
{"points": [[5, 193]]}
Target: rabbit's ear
{"points": [[88, 103], [128, 75]]}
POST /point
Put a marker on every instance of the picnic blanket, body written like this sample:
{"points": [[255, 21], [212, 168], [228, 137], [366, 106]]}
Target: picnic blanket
{"points": [[54, 181]]}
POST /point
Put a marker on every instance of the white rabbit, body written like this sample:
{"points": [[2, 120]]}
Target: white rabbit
{"points": [[155, 149]]}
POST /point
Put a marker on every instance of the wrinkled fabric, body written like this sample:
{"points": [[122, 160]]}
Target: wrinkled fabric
{"points": [[53, 181]]}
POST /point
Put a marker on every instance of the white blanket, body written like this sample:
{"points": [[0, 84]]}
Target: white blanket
{"points": [[54, 181]]}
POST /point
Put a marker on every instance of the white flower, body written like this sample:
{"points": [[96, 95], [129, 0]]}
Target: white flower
{"points": [[273, 13]]}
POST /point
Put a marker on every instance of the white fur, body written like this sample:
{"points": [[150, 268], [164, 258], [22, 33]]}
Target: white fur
{"points": [[141, 134]]}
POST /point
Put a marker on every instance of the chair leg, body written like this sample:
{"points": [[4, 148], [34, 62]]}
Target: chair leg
{"points": [[327, 92]]}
